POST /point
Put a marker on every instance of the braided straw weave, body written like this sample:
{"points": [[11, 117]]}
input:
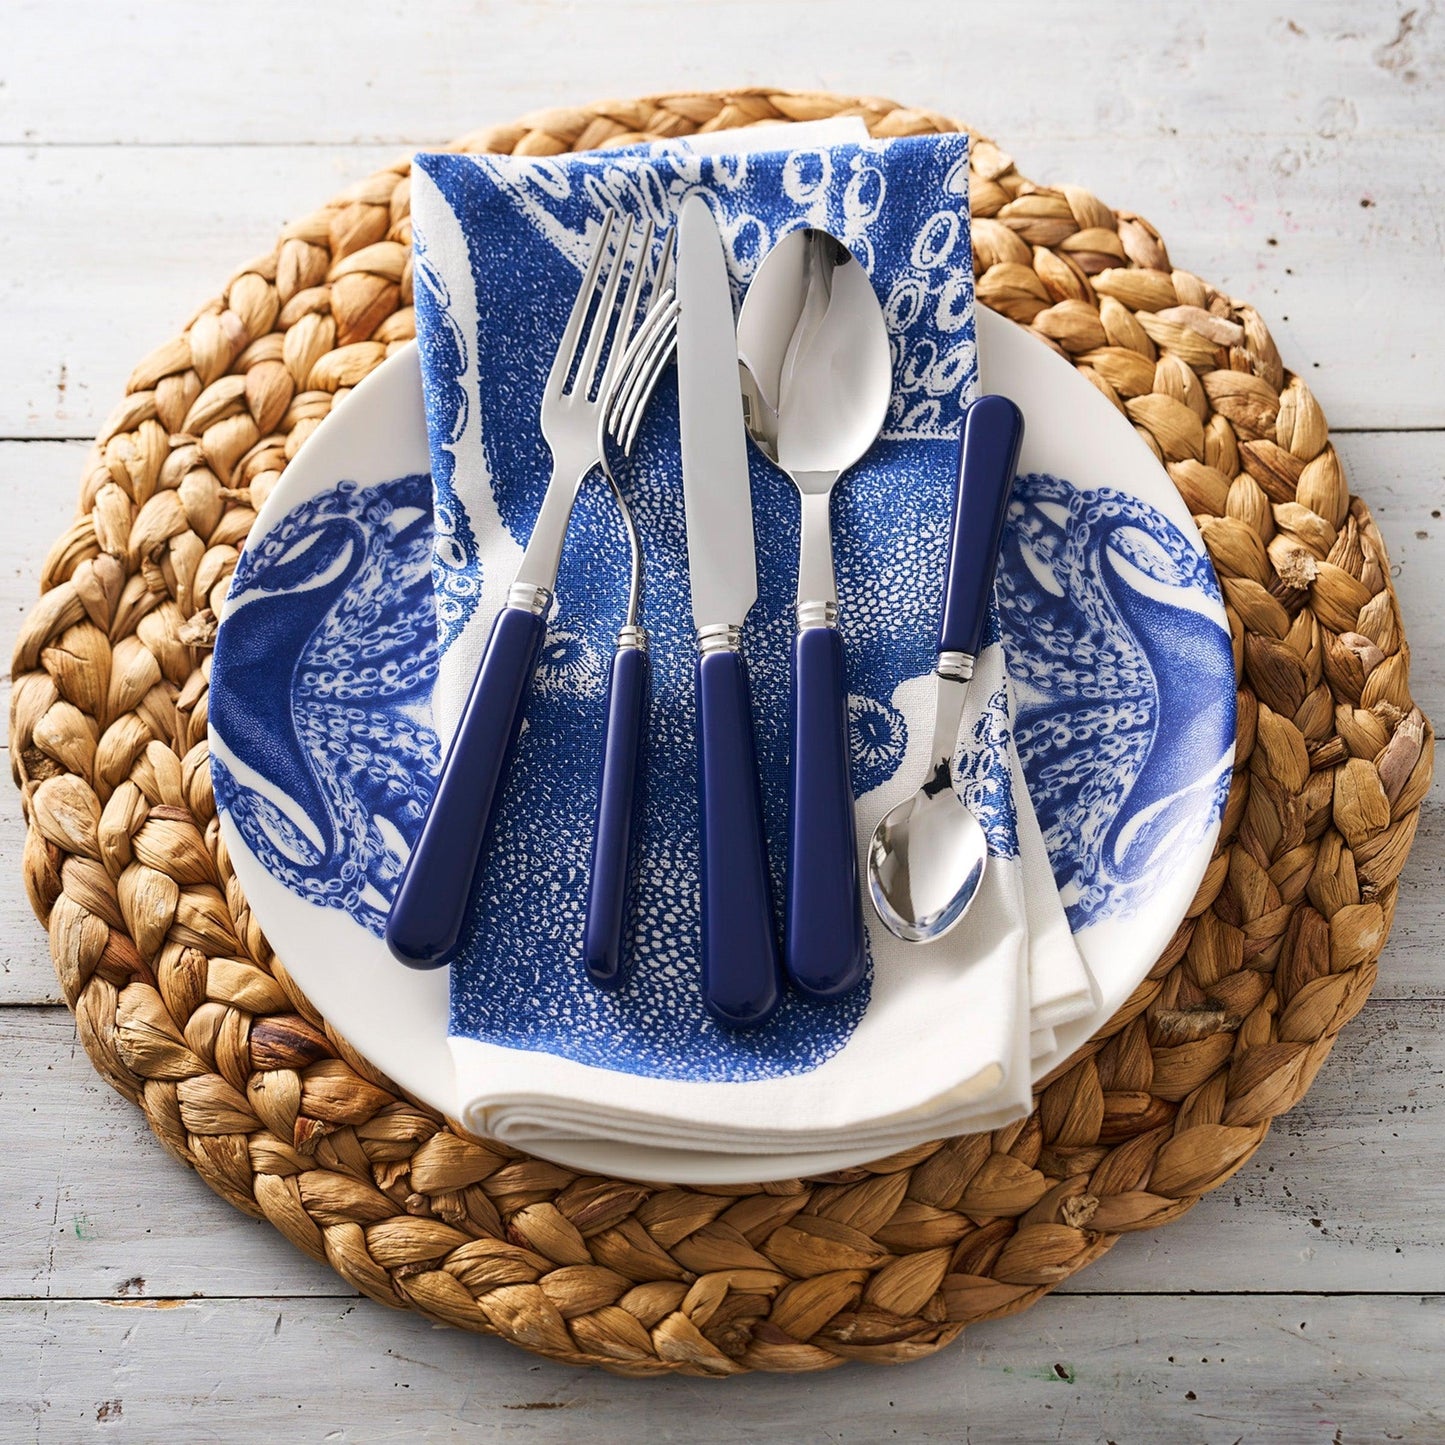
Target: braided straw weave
{"points": [[182, 1007]]}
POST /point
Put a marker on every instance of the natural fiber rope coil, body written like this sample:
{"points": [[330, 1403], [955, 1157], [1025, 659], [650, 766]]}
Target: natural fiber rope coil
{"points": [[182, 1007]]}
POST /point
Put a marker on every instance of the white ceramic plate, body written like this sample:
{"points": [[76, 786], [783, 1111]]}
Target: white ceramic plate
{"points": [[1151, 719]]}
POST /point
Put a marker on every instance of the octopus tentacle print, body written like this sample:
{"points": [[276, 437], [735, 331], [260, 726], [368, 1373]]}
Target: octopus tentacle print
{"points": [[326, 768], [1124, 684]]}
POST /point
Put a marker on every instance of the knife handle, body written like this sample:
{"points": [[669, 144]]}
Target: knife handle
{"points": [[741, 973], [430, 905], [823, 922], [993, 432], [611, 842]]}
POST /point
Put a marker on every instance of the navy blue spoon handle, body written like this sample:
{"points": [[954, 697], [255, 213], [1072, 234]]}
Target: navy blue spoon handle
{"points": [[612, 839], [993, 432], [431, 903], [741, 972], [823, 917]]}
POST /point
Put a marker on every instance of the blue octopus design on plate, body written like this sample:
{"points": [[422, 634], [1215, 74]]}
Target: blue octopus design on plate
{"points": [[320, 694], [1124, 688]]}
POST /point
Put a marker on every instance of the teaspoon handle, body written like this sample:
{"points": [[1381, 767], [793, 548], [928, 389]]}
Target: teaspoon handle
{"points": [[741, 973], [993, 432], [823, 918]]}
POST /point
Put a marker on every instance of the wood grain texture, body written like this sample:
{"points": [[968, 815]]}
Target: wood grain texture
{"points": [[197, 74], [79, 318], [1291, 1370]]}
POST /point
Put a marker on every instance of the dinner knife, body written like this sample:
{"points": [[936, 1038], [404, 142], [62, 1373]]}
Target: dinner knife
{"points": [[741, 969]]}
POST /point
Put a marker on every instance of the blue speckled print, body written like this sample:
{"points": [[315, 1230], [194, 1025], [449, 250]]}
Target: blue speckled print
{"points": [[530, 238]]}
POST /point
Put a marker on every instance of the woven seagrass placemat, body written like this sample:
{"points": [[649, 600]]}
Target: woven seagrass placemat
{"points": [[182, 1007]]}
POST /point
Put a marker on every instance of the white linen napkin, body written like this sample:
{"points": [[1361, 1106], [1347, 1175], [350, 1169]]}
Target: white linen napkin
{"points": [[941, 1038]]}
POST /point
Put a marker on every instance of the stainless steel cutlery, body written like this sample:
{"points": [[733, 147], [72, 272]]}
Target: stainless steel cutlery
{"points": [[808, 372], [642, 364], [927, 855], [430, 905]]}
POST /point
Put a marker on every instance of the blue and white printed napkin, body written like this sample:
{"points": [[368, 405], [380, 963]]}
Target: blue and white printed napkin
{"points": [[937, 1039]]}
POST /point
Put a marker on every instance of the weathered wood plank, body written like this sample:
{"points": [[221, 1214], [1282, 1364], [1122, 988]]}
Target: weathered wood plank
{"points": [[112, 249], [1294, 1371], [100, 280], [101, 1210], [39, 482], [97, 1205], [1027, 71]]}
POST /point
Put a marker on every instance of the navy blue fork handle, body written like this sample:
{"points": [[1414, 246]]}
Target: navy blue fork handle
{"points": [[993, 432], [823, 944], [612, 838], [430, 905], [741, 972]]}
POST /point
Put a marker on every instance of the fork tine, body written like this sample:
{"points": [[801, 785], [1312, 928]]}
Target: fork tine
{"points": [[663, 280], [652, 352], [659, 355], [567, 346], [603, 319], [634, 363], [626, 317]]}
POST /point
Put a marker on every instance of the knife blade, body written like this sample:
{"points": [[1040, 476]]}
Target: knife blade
{"points": [[741, 964], [716, 491]]}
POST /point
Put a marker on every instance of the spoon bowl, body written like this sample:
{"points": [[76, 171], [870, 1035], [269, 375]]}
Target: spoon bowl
{"points": [[816, 369], [927, 856]]}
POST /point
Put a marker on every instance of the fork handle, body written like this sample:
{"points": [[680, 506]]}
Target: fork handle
{"points": [[823, 923], [741, 972], [431, 904], [612, 840]]}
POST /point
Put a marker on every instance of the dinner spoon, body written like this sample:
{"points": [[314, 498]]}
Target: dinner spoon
{"points": [[817, 377], [927, 856]]}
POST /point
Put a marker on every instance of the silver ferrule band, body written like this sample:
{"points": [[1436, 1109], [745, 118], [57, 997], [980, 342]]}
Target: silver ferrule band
{"points": [[719, 637], [631, 636], [817, 614], [956, 666], [529, 597]]}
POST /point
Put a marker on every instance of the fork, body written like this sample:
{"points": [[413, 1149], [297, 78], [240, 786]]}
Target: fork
{"points": [[641, 367], [430, 905]]}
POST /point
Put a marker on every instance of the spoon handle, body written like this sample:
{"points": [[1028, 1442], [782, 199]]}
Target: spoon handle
{"points": [[431, 902], [823, 924], [993, 432], [741, 975], [611, 842]]}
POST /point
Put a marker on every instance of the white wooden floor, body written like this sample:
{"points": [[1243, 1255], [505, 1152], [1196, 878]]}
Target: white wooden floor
{"points": [[1290, 153]]}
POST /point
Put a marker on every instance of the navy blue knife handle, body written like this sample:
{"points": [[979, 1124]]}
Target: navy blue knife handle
{"points": [[823, 919], [993, 432], [430, 905], [612, 840], [741, 972]]}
